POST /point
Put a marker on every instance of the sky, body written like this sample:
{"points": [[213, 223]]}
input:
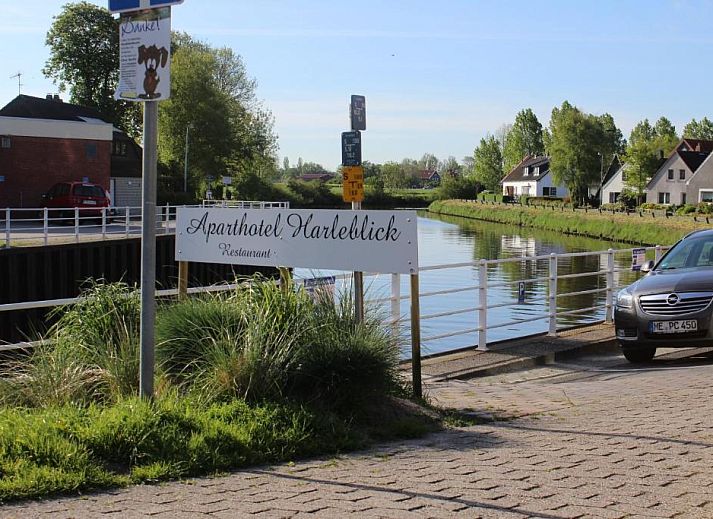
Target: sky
{"points": [[437, 76]]}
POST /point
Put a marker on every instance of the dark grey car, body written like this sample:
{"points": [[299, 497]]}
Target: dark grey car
{"points": [[670, 307]]}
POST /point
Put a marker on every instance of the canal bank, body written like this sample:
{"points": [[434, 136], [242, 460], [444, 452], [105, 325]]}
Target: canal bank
{"points": [[639, 228]]}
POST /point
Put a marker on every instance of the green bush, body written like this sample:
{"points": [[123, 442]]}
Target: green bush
{"points": [[617, 206], [686, 209], [489, 196], [543, 201], [457, 188], [704, 208]]}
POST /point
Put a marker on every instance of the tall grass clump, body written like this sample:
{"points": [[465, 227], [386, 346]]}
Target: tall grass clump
{"points": [[344, 363], [90, 354], [262, 342]]}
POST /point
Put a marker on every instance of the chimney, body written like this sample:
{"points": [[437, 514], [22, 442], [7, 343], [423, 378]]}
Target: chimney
{"points": [[698, 147], [48, 97], [57, 98]]}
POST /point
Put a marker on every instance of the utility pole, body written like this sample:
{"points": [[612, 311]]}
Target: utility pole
{"points": [[185, 162], [19, 85]]}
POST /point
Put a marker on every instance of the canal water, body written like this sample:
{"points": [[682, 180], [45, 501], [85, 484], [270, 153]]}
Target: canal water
{"points": [[448, 240]]}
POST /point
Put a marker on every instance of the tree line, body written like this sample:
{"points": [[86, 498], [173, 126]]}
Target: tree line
{"points": [[580, 146]]}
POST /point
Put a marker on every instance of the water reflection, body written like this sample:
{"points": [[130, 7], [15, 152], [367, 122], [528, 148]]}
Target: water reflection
{"points": [[444, 240]]}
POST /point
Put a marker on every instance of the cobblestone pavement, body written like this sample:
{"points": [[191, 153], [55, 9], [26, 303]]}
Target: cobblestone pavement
{"points": [[610, 443]]}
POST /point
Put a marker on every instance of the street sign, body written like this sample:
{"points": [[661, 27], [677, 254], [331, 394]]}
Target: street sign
{"points": [[122, 6], [638, 256], [351, 149], [357, 112], [353, 184]]}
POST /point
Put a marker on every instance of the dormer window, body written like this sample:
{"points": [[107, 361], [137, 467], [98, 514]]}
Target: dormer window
{"points": [[537, 171], [5, 142], [526, 171]]}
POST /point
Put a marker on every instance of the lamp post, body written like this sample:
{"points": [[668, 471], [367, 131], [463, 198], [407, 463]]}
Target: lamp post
{"points": [[185, 161], [601, 177]]}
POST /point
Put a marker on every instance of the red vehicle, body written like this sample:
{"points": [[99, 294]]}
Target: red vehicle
{"points": [[90, 198]]}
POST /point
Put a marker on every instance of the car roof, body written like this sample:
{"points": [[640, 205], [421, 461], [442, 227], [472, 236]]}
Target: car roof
{"points": [[699, 232]]}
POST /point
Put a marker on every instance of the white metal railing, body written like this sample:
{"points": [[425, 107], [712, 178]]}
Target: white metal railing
{"points": [[245, 204], [43, 226], [490, 298]]}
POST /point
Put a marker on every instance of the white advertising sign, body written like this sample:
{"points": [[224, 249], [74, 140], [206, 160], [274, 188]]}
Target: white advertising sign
{"points": [[145, 55], [367, 241], [638, 256]]}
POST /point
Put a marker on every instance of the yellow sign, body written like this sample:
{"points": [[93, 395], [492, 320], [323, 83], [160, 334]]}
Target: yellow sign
{"points": [[353, 184]]}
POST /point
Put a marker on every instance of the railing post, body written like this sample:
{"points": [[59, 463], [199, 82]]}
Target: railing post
{"points": [[553, 296], [127, 220], [657, 253], [8, 215], [76, 224], [609, 316], [483, 305], [166, 218], [103, 223], [415, 337], [45, 224], [395, 304]]}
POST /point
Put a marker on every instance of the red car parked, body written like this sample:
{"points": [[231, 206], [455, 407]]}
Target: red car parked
{"points": [[90, 198]]}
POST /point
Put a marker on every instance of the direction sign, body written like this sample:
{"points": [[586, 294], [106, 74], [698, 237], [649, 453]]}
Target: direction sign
{"points": [[357, 112], [122, 6], [353, 184], [351, 149]]}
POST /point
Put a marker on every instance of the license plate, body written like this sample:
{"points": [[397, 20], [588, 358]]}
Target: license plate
{"points": [[680, 326], [89, 202]]}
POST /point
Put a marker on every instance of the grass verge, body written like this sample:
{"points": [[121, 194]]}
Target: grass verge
{"points": [[615, 227]]}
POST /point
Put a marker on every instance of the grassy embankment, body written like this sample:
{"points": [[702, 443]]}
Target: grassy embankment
{"points": [[631, 228], [255, 375]]}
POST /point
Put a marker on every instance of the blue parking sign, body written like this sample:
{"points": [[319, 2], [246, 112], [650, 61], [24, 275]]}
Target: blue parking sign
{"points": [[121, 6]]}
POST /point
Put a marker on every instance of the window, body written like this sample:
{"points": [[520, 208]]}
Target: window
{"points": [[549, 191], [613, 197], [119, 149], [665, 198], [706, 196], [5, 142], [537, 171], [683, 198], [682, 174], [670, 174], [91, 150], [526, 171]]}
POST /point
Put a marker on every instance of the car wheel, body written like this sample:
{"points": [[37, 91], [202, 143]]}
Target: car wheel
{"points": [[639, 355]]}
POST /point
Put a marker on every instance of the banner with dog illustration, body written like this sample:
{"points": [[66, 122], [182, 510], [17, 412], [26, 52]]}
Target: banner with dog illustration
{"points": [[145, 55]]}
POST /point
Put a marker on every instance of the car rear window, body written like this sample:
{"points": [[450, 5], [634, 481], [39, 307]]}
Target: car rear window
{"points": [[92, 191]]}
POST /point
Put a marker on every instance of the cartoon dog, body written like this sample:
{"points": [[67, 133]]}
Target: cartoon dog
{"points": [[152, 57]]}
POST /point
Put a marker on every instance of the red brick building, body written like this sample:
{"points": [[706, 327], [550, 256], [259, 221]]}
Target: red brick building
{"points": [[45, 141]]}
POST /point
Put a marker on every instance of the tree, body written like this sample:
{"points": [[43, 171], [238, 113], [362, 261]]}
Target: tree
{"points": [[524, 138], [702, 129], [646, 144], [83, 42], [394, 175], [429, 162], [450, 166], [211, 94], [578, 143], [488, 163]]}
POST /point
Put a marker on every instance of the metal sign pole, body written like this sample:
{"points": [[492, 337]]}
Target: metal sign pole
{"points": [[358, 284], [148, 251]]}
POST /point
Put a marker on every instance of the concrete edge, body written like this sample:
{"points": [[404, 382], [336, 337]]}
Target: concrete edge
{"points": [[549, 357]]}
